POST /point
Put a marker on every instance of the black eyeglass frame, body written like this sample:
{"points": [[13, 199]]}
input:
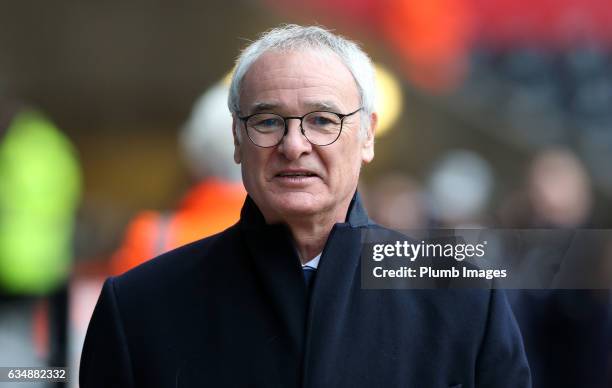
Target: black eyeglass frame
{"points": [[341, 116]]}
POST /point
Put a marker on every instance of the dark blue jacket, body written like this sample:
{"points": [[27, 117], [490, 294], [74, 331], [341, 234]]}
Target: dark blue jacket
{"points": [[231, 311]]}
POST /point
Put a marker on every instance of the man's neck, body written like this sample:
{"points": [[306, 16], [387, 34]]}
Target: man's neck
{"points": [[310, 239], [311, 233]]}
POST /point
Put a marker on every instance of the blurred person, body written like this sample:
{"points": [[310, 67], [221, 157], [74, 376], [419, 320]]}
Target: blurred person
{"points": [[459, 189], [566, 332], [567, 336], [559, 189], [275, 300], [39, 194], [397, 201], [211, 205], [38, 197], [557, 193]]}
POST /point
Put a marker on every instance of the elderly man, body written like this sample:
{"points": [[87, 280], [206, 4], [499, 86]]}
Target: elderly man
{"points": [[276, 300]]}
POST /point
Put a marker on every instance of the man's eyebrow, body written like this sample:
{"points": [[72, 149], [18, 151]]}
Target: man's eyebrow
{"points": [[312, 106], [263, 107], [323, 105]]}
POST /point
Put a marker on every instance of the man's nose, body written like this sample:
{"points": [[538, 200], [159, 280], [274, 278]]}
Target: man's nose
{"points": [[294, 144]]}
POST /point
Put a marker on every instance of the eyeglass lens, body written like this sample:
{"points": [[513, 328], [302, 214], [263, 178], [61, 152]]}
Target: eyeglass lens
{"points": [[320, 128]]}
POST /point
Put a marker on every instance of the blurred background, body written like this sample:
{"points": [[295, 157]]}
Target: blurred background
{"points": [[114, 135]]}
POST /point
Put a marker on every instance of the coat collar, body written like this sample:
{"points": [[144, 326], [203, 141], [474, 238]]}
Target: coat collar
{"points": [[276, 262]]}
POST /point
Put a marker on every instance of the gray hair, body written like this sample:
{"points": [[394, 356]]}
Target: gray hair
{"points": [[295, 37]]}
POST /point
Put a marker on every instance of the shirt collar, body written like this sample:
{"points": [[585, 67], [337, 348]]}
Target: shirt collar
{"points": [[314, 263]]}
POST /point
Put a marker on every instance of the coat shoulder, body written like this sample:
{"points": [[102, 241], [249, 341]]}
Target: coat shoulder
{"points": [[178, 266]]}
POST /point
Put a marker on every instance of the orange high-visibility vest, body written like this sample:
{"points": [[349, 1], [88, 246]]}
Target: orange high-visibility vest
{"points": [[208, 208]]}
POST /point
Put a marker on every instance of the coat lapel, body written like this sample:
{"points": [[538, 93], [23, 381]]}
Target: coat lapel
{"points": [[278, 267], [338, 275], [277, 264]]}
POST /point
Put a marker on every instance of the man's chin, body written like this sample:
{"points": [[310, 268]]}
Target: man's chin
{"points": [[298, 209], [297, 204]]}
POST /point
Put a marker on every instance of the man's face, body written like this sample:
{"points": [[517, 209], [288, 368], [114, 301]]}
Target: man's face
{"points": [[294, 83]]}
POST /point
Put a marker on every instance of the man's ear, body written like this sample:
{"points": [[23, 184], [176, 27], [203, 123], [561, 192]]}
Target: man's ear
{"points": [[236, 134], [367, 147]]}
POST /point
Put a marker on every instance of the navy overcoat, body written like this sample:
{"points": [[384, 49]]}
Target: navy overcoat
{"points": [[231, 311]]}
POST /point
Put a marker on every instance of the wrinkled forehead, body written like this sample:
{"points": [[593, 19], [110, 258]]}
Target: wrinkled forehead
{"points": [[316, 52], [320, 75]]}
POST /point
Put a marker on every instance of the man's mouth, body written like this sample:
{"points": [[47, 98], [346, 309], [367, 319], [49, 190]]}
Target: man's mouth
{"points": [[296, 178], [295, 174]]}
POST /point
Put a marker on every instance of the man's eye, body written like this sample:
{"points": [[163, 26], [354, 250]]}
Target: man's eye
{"points": [[321, 120], [268, 123]]}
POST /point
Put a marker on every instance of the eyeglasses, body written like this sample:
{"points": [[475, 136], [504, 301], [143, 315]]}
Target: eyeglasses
{"points": [[320, 128]]}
